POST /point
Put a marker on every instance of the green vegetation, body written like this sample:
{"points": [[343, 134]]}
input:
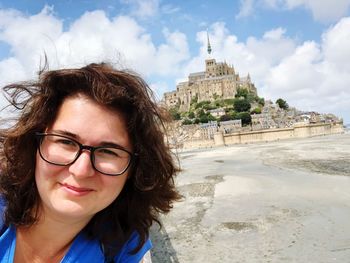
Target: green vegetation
{"points": [[245, 117], [261, 102], [201, 104], [205, 117], [226, 117], [186, 122], [241, 105], [235, 108], [194, 100], [174, 112], [191, 115], [251, 97], [282, 104], [242, 93], [256, 111], [228, 102]]}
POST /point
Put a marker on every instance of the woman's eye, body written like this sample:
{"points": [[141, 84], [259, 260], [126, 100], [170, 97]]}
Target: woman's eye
{"points": [[107, 152], [65, 142]]}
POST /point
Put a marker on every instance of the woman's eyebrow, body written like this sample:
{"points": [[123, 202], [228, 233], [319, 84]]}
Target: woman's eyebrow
{"points": [[66, 133], [112, 144], [76, 137]]}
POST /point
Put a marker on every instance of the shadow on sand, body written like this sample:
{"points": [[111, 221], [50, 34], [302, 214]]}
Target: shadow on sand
{"points": [[162, 251]]}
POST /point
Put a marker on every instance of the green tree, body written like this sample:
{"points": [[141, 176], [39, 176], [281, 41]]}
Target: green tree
{"points": [[191, 115], [194, 100], [261, 101], [232, 114], [211, 117], [201, 104], [245, 117], [282, 104], [241, 105], [186, 122], [174, 113], [228, 102], [208, 107], [226, 117], [196, 121], [200, 113], [203, 119], [251, 97], [241, 92], [256, 111], [219, 103]]}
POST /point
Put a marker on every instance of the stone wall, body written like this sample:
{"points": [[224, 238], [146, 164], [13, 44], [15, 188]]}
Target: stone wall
{"points": [[194, 144], [298, 131]]}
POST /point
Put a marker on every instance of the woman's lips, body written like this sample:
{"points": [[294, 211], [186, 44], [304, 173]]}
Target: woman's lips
{"points": [[78, 191]]}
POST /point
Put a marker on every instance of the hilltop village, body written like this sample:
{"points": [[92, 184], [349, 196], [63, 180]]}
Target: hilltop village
{"points": [[220, 100]]}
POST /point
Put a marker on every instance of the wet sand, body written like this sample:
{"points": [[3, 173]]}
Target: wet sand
{"points": [[286, 201]]}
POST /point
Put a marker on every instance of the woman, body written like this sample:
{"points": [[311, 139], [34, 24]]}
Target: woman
{"points": [[84, 170]]}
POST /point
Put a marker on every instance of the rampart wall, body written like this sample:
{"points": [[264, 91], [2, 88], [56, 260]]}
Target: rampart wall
{"points": [[298, 131]]}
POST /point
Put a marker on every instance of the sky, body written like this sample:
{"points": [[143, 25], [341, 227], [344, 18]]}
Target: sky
{"points": [[297, 50]]}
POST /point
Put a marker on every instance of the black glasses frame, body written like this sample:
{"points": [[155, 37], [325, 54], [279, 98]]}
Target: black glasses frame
{"points": [[41, 135]]}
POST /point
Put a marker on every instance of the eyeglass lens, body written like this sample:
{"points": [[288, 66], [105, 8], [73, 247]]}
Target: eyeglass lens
{"points": [[60, 150]]}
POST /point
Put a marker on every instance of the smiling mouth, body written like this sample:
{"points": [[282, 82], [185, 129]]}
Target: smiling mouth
{"points": [[78, 191]]}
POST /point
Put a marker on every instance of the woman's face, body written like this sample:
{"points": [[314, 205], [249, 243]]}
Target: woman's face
{"points": [[77, 191]]}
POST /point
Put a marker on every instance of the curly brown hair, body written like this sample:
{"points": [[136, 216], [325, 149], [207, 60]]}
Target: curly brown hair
{"points": [[150, 189]]}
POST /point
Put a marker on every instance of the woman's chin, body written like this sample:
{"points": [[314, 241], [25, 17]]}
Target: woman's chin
{"points": [[67, 209]]}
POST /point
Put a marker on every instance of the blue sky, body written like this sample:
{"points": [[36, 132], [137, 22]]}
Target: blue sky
{"points": [[294, 49]]}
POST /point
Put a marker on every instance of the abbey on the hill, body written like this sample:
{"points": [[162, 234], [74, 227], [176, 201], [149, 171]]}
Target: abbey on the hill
{"points": [[219, 80]]}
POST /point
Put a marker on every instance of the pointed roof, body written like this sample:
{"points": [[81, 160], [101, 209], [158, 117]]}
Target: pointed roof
{"points": [[209, 47]]}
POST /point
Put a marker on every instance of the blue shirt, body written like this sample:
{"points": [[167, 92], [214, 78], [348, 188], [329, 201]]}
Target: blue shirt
{"points": [[81, 250]]}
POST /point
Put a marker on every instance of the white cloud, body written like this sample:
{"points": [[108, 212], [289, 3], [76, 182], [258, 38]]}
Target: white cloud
{"points": [[246, 8], [274, 4], [273, 46], [169, 9], [93, 37], [336, 43], [143, 8], [159, 88], [316, 76], [256, 55], [11, 70], [296, 75], [172, 53], [321, 10], [29, 37], [309, 75]]}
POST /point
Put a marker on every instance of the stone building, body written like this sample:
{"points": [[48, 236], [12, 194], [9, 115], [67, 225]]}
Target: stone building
{"points": [[230, 126], [219, 80], [217, 112]]}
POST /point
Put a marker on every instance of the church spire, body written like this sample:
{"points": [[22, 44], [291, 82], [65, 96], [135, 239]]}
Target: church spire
{"points": [[209, 47]]}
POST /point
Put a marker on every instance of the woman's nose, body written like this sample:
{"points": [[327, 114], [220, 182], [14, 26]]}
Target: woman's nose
{"points": [[82, 167]]}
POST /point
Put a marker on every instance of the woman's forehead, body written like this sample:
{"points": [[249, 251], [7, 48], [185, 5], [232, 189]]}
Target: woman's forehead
{"points": [[91, 121]]}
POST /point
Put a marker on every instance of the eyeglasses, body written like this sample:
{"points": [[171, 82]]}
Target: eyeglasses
{"points": [[61, 150]]}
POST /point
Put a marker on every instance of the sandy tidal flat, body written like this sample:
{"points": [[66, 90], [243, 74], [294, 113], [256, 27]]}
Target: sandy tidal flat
{"points": [[286, 201]]}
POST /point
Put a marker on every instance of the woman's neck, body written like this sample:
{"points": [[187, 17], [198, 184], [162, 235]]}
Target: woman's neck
{"points": [[48, 240]]}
